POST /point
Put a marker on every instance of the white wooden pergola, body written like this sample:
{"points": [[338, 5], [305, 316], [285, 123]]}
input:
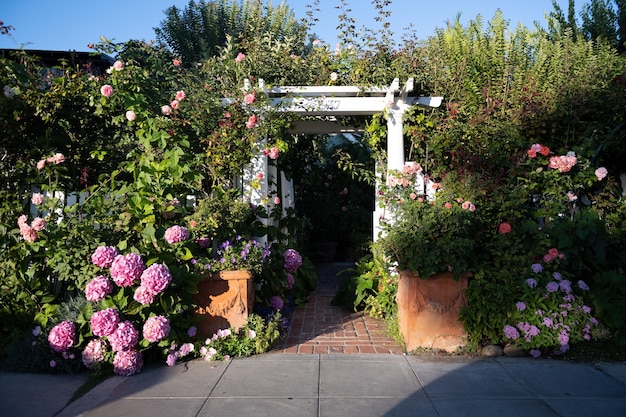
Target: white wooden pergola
{"points": [[320, 106]]}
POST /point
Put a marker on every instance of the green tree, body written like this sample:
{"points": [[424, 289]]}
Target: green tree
{"points": [[202, 29]]}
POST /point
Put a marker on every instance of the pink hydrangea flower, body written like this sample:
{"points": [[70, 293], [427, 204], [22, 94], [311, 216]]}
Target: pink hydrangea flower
{"points": [[37, 198], [104, 322], [98, 288], [156, 328], [143, 296], [125, 337], [106, 90], [125, 269], [156, 278], [94, 352], [103, 256], [176, 234], [127, 363], [62, 336]]}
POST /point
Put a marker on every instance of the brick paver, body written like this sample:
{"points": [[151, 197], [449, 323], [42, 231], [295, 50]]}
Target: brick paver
{"points": [[320, 327]]}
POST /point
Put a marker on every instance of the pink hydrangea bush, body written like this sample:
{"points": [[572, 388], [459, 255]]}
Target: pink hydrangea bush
{"points": [[156, 278], [128, 362], [103, 256]]}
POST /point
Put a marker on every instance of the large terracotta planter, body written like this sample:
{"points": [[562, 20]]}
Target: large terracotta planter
{"points": [[224, 300], [428, 310]]}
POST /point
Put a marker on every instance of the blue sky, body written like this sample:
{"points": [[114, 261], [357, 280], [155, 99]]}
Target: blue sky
{"points": [[72, 24]]}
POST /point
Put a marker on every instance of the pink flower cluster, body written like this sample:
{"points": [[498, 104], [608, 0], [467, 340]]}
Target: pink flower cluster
{"points": [[106, 90], [504, 228], [250, 98], [293, 260], [156, 278], [37, 198], [252, 122], [124, 338], [563, 163], [98, 288], [103, 256], [29, 232], [601, 173], [176, 234], [538, 149], [62, 336], [94, 352], [127, 363], [104, 322], [411, 167], [56, 159], [272, 152], [552, 254], [156, 328], [125, 269], [240, 57]]}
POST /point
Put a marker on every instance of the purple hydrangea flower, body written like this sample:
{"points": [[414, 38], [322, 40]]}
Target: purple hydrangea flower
{"points": [[537, 268], [552, 286], [520, 305], [583, 286], [531, 282], [511, 332]]}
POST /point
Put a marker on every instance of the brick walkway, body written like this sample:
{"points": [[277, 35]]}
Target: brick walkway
{"points": [[319, 327]]}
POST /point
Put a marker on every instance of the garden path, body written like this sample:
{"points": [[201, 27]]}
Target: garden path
{"points": [[320, 327]]}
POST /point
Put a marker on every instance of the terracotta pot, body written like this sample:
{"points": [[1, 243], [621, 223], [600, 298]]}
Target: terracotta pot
{"points": [[428, 310], [224, 300]]}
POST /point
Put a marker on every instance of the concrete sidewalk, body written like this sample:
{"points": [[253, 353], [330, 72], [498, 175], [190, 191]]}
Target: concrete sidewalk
{"points": [[334, 385]]}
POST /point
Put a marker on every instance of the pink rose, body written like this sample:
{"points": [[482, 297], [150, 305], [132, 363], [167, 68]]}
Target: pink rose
{"points": [[601, 173], [180, 95], [504, 228], [130, 115], [106, 90], [118, 65], [166, 110], [174, 104], [176, 62], [37, 198], [252, 121], [274, 153], [41, 164], [38, 224], [249, 98], [240, 57]]}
